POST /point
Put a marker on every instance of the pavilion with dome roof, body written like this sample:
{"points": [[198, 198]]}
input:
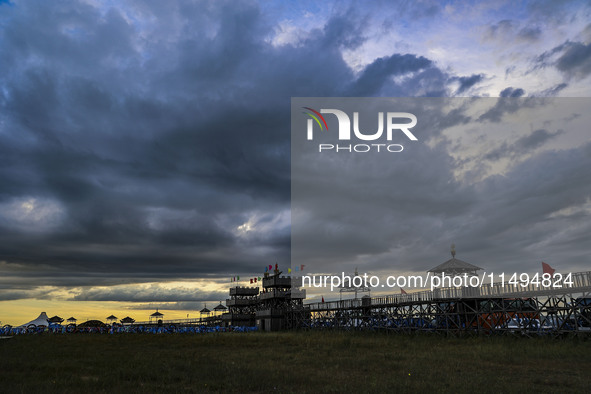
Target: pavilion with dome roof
{"points": [[157, 316], [455, 267]]}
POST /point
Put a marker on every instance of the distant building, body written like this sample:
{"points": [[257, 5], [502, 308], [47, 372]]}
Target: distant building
{"points": [[55, 319], [156, 316], [205, 311], [277, 302], [271, 309], [242, 306], [127, 320], [220, 308]]}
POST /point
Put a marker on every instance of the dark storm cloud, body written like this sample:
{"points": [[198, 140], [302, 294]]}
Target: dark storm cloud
{"points": [[576, 60], [554, 90], [501, 108], [506, 30], [29, 293], [511, 92], [152, 293], [521, 146], [342, 31], [502, 27], [377, 74], [530, 33], [534, 205], [468, 82], [535, 140], [571, 58], [553, 12], [400, 214], [376, 204], [150, 141], [151, 173]]}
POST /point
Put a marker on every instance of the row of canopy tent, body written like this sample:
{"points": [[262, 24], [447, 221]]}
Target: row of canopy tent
{"points": [[205, 311], [43, 320], [219, 308], [125, 320]]}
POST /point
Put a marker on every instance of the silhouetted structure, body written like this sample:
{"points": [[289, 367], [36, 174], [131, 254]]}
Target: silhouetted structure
{"points": [[55, 320], [220, 308], [278, 302], [454, 267], [157, 316], [241, 306], [205, 311], [351, 288]]}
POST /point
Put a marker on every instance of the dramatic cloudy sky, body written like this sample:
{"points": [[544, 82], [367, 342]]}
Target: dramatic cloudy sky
{"points": [[506, 179], [145, 145]]}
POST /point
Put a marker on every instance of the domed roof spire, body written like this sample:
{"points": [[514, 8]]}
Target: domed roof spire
{"points": [[455, 266]]}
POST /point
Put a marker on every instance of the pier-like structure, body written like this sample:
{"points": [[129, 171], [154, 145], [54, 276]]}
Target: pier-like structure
{"points": [[500, 308], [506, 307]]}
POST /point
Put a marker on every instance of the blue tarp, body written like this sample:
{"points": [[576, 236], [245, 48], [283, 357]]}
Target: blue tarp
{"points": [[134, 329]]}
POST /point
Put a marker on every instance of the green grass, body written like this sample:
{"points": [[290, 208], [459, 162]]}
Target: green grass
{"points": [[292, 362]]}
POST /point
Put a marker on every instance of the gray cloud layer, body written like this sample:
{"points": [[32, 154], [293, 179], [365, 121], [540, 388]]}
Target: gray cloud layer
{"points": [[136, 141], [400, 212]]}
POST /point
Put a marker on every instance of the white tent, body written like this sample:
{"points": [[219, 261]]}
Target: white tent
{"points": [[40, 321]]}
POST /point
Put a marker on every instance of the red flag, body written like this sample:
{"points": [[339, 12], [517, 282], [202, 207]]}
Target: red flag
{"points": [[303, 265], [255, 280], [276, 267], [547, 269], [402, 291], [322, 298], [251, 280], [270, 267]]}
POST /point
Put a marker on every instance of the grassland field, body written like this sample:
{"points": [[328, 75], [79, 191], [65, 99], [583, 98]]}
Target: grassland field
{"points": [[284, 362]]}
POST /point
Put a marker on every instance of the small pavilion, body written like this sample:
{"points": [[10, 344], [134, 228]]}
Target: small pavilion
{"points": [[205, 311], [55, 320], [454, 267], [220, 308], [156, 316], [127, 320]]}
